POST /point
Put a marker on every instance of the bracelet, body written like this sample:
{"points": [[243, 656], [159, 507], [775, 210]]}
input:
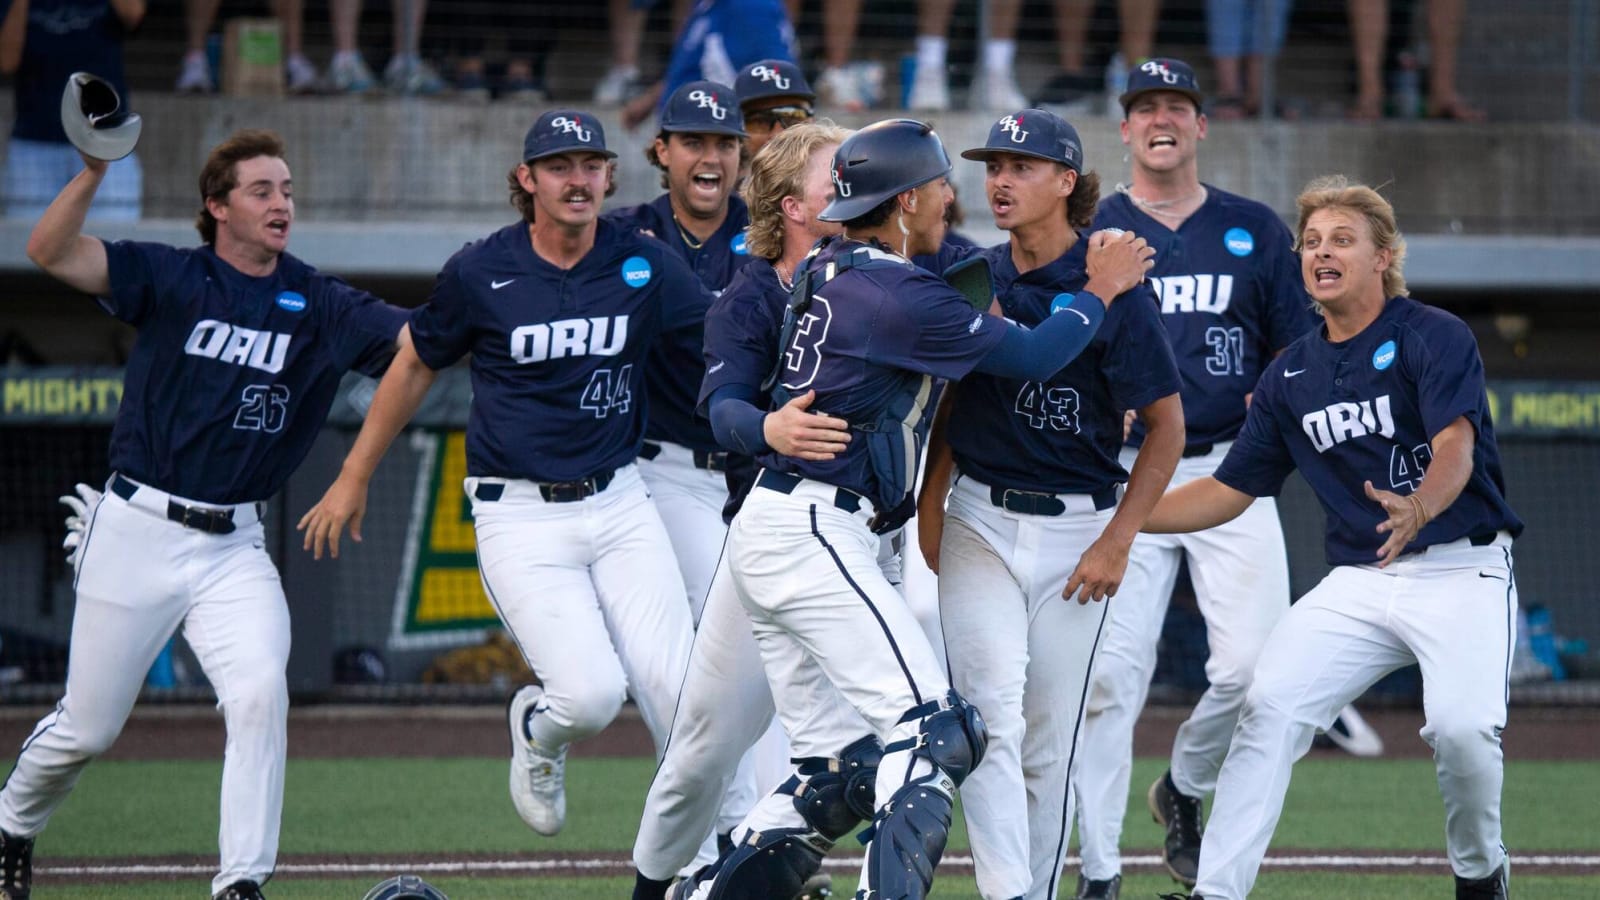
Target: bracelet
{"points": [[1423, 518]]}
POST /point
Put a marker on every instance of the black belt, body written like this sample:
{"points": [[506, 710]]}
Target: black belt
{"points": [[785, 483], [210, 521], [1484, 539], [710, 460], [551, 491], [1194, 450], [1036, 503]]}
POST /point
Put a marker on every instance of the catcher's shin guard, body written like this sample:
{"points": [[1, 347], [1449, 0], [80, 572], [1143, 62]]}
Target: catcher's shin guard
{"points": [[770, 864]]}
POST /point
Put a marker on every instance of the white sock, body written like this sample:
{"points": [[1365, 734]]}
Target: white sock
{"points": [[998, 56], [931, 53]]}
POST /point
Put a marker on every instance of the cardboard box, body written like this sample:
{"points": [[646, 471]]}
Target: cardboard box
{"points": [[252, 58]]}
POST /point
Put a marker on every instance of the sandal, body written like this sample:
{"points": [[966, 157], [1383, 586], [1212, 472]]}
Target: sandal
{"points": [[1228, 107], [1456, 110]]}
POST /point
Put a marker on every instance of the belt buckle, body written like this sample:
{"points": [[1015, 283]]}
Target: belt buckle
{"points": [[569, 491], [1015, 500], [715, 461]]}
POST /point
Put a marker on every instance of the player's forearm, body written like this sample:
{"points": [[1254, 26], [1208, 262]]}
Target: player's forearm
{"points": [[1195, 506], [1152, 467], [1450, 468], [1037, 354], [399, 395], [58, 244], [941, 465]]}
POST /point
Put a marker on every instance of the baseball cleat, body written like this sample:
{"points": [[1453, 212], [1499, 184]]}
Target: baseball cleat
{"points": [[243, 889], [817, 887], [538, 777], [1351, 733], [1180, 815], [16, 867], [1497, 886], [1098, 889]]}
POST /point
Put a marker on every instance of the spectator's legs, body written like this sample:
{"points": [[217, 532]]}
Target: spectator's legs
{"points": [[627, 33], [837, 85], [1000, 91], [301, 74], [1072, 33], [1369, 30], [1138, 20], [1227, 22], [1444, 37], [406, 73], [930, 91], [347, 72], [198, 17]]}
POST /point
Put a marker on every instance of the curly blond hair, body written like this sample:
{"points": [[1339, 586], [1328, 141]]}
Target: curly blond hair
{"points": [[779, 171]]}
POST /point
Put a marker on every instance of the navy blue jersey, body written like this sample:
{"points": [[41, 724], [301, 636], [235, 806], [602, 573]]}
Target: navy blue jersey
{"points": [[871, 345], [1231, 296], [1367, 409], [63, 36], [954, 248], [232, 375], [558, 355], [741, 343], [676, 366], [1061, 436]]}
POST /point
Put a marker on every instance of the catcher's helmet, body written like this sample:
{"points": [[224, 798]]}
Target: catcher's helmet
{"points": [[880, 161], [93, 117], [404, 887]]}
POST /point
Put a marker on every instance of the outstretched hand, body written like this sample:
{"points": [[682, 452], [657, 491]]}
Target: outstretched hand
{"points": [[1406, 516], [1099, 571], [344, 503], [793, 430]]}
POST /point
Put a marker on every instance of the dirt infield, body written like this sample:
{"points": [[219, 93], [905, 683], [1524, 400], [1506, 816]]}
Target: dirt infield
{"points": [[195, 732]]}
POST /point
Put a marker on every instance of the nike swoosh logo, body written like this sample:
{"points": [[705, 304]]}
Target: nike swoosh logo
{"points": [[1289, 374], [1078, 314], [497, 285], [715, 368]]}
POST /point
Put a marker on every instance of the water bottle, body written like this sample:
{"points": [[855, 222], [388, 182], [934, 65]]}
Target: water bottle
{"points": [[1405, 89], [1116, 84], [1542, 638], [908, 77]]}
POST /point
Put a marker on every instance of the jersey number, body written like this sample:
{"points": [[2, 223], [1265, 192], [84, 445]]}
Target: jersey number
{"points": [[1406, 467], [264, 407], [1043, 405], [605, 393], [1227, 350]]}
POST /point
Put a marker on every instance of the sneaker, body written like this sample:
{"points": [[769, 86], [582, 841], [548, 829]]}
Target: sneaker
{"points": [[1095, 889], [196, 75], [929, 91], [817, 887], [538, 778], [243, 889], [348, 74], [1351, 733], [409, 75], [837, 87], [1495, 887], [1001, 94], [300, 76], [619, 83], [16, 866], [1180, 814]]}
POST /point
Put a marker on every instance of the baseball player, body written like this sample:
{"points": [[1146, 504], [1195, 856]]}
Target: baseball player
{"points": [[725, 702], [558, 311], [773, 95], [700, 219], [1230, 297], [1037, 513], [1383, 410], [240, 350], [868, 332]]}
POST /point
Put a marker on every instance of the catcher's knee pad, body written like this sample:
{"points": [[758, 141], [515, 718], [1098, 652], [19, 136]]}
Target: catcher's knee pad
{"points": [[838, 793], [907, 839], [953, 736], [769, 864]]}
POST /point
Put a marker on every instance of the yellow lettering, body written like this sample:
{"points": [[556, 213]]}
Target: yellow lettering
{"points": [[19, 395], [449, 595], [451, 528]]}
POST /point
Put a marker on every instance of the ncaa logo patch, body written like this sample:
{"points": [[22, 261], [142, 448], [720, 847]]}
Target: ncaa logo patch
{"points": [[291, 301], [739, 245], [1061, 301], [1383, 357], [1239, 242], [635, 271]]}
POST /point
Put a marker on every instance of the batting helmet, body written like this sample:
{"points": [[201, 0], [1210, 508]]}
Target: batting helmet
{"points": [[880, 161], [93, 117], [404, 887]]}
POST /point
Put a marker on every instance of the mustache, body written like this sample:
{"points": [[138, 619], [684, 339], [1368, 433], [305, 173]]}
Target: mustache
{"points": [[577, 194]]}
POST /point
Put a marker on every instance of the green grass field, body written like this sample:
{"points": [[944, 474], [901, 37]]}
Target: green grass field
{"points": [[422, 809]]}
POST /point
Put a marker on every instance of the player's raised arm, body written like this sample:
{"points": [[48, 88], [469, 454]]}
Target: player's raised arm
{"points": [[1200, 504], [399, 394], [58, 244]]}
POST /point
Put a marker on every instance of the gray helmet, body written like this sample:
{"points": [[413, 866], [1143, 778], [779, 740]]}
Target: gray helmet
{"points": [[880, 161], [93, 117], [404, 887]]}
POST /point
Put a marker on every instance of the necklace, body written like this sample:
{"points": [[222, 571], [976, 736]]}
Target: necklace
{"points": [[1164, 207], [686, 236]]}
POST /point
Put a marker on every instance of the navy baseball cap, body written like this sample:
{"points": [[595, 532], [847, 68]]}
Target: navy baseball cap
{"points": [[703, 107], [1161, 74], [771, 78], [564, 131], [1033, 132]]}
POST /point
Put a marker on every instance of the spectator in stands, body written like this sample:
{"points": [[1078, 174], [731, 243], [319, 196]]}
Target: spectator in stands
{"points": [[300, 76], [1075, 90], [930, 91], [1369, 32], [406, 72], [839, 84], [41, 43], [530, 32], [1232, 35], [628, 18], [719, 38]]}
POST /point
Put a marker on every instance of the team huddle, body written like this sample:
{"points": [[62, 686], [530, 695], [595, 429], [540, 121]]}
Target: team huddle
{"points": [[706, 432]]}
